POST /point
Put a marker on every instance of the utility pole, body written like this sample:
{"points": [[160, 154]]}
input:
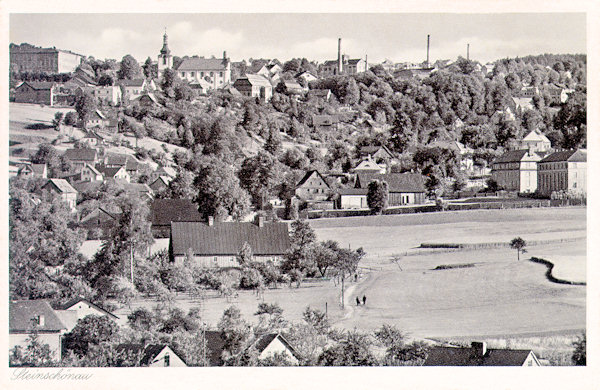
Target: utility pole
{"points": [[343, 277], [131, 259]]}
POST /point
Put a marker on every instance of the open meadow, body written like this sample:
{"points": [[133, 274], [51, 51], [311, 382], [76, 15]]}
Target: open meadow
{"points": [[496, 297]]}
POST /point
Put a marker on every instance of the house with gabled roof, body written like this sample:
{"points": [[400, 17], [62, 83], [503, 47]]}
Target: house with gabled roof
{"points": [[132, 89], [267, 345], [564, 170], [313, 187], [99, 222], [324, 94], [84, 307], [516, 170], [165, 211], [160, 184], [369, 165], [480, 355], [378, 153], [34, 170], [147, 99], [81, 156], [108, 94], [90, 173], [254, 85], [29, 316], [217, 244], [307, 76], [62, 188], [38, 92], [403, 188], [535, 141], [93, 138], [293, 88], [118, 172], [325, 122], [152, 355], [96, 120]]}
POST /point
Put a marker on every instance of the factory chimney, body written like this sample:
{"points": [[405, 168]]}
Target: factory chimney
{"points": [[339, 70], [427, 63], [468, 51]]}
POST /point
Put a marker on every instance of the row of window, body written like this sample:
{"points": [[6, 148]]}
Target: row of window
{"points": [[193, 74]]}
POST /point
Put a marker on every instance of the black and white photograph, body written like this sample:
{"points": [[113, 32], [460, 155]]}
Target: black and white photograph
{"points": [[291, 189]]}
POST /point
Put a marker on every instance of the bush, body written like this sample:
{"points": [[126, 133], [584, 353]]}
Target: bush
{"points": [[251, 278]]}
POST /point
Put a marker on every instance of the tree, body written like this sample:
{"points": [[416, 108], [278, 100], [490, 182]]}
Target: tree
{"points": [[353, 350], [85, 105], [130, 69], [258, 175], [519, 244], [35, 354], [218, 191], [91, 330], [71, 118], [150, 70], [325, 255], [58, 119], [244, 256], [271, 317], [105, 80], [169, 79], [377, 196], [579, 353], [234, 331]]}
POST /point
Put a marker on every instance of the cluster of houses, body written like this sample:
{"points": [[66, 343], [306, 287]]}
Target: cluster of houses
{"points": [[52, 322], [536, 168]]}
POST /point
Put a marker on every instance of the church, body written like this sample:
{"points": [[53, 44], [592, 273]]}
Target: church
{"points": [[210, 73]]}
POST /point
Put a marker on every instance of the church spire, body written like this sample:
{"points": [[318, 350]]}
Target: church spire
{"points": [[165, 49]]}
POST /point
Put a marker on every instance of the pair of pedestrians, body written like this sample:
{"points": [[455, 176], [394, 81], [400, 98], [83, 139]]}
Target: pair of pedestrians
{"points": [[364, 300]]}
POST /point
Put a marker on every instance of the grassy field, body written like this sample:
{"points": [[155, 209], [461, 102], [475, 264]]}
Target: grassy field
{"points": [[499, 298]]}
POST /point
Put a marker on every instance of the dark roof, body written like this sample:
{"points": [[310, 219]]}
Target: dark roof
{"points": [[215, 344], [38, 85], [151, 352], [108, 172], [75, 301], [146, 353], [511, 156], [22, 312], [397, 182], [353, 191], [576, 155], [371, 150], [254, 79], [202, 64], [455, 356], [330, 63], [165, 211], [227, 238], [354, 61], [263, 342], [132, 83], [81, 154], [308, 175]]}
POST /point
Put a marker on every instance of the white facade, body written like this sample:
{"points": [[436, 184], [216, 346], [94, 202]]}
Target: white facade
{"points": [[353, 202], [167, 358], [225, 261]]}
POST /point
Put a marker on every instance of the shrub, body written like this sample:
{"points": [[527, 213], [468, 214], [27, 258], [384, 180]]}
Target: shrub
{"points": [[251, 278]]}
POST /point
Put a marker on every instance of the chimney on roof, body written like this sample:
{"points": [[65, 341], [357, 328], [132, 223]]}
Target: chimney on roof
{"points": [[211, 220], [479, 348], [339, 70], [260, 221]]}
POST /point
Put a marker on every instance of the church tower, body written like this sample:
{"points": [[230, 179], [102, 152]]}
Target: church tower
{"points": [[165, 59]]}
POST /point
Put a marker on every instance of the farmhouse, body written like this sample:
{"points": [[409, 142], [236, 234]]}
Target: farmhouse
{"points": [[81, 156], [516, 170], [25, 317], [369, 165], [34, 170], [153, 355], [132, 89], [38, 92], [217, 244], [313, 187], [111, 94], [563, 171], [96, 120], [306, 76], [254, 85], [84, 308], [99, 221], [479, 355], [89, 173], [119, 173], [404, 188], [379, 153], [61, 187], [165, 211]]}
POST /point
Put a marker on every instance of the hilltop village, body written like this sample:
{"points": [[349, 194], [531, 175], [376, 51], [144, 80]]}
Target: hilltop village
{"points": [[147, 199]]}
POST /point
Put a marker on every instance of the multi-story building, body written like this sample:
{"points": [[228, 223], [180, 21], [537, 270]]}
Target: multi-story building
{"points": [[563, 171], [108, 94], [344, 64], [536, 141], [215, 71], [254, 85], [29, 58], [516, 170]]}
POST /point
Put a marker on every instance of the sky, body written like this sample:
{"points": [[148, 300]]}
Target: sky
{"points": [[399, 37]]}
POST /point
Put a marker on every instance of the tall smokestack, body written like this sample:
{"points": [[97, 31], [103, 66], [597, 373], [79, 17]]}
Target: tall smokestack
{"points": [[427, 63], [339, 56], [468, 51]]}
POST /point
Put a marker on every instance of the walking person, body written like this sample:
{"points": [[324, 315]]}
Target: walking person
{"points": [[357, 301], [364, 299]]}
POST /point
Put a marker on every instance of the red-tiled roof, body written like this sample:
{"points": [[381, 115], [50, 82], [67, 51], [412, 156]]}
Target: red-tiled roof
{"points": [[22, 312], [397, 182], [165, 211], [454, 356], [227, 238]]}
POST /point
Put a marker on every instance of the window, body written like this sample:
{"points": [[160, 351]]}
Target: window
{"points": [[164, 60], [221, 74], [212, 74], [167, 360], [193, 74], [201, 74], [182, 74]]}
